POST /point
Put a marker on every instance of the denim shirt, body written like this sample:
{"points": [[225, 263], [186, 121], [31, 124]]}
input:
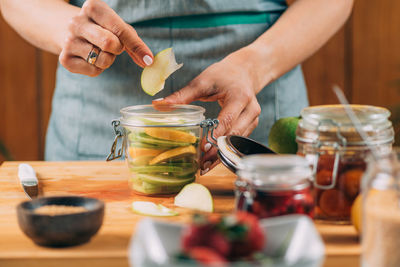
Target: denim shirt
{"points": [[201, 33]]}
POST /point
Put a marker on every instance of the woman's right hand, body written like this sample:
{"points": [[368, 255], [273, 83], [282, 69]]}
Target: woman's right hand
{"points": [[97, 25]]}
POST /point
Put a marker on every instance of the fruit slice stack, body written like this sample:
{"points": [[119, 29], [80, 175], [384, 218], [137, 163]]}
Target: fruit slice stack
{"points": [[162, 160]]}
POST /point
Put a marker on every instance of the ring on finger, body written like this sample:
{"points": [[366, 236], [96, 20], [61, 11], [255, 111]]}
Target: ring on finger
{"points": [[93, 55]]}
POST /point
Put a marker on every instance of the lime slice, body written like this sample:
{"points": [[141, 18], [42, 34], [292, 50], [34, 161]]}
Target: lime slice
{"points": [[195, 196], [151, 209], [154, 76]]}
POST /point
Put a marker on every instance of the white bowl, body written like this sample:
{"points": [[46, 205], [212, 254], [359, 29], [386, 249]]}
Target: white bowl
{"points": [[292, 240]]}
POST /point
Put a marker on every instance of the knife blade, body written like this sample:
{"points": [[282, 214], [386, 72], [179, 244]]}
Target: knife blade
{"points": [[28, 179]]}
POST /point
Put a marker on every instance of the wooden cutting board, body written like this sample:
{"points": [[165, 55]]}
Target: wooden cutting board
{"points": [[108, 181]]}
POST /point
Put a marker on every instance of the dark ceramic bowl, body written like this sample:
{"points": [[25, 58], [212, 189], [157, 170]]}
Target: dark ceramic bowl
{"points": [[61, 230]]}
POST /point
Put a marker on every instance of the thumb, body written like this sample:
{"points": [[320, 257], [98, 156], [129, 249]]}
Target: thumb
{"points": [[195, 90], [186, 95]]}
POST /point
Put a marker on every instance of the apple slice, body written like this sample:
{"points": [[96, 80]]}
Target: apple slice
{"points": [[195, 196], [151, 209], [154, 76]]}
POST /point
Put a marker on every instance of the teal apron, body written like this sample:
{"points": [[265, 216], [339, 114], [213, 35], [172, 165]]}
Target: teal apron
{"points": [[201, 32]]}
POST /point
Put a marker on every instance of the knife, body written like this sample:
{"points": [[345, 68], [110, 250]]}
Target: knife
{"points": [[28, 179]]}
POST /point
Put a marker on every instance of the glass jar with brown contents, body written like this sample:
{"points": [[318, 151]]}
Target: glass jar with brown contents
{"points": [[329, 141]]}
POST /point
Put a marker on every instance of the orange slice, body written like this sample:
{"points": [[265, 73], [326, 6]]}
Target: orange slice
{"points": [[142, 151], [171, 135], [173, 153]]}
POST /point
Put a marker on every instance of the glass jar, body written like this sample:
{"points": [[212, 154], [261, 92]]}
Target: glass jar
{"points": [[329, 141], [161, 146], [381, 212], [273, 185]]}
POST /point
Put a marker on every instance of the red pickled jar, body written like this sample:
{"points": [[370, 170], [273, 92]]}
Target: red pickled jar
{"points": [[274, 185], [327, 138]]}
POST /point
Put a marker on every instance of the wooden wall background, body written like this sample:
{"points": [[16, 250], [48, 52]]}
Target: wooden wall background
{"points": [[363, 58]]}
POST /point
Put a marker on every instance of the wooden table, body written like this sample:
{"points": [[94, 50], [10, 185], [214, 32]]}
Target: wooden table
{"points": [[108, 181]]}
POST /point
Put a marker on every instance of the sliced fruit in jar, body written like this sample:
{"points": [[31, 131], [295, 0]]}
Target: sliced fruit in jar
{"points": [[143, 138], [350, 182], [141, 151], [157, 168], [152, 209], [163, 179], [334, 203], [154, 76], [146, 188], [195, 196], [181, 169], [324, 177], [173, 153], [171, 135], [140, 161]]}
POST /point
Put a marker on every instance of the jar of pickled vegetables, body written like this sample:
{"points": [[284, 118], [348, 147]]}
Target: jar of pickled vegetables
{"points": [[161, 146], [274, 185], [337, 153]]}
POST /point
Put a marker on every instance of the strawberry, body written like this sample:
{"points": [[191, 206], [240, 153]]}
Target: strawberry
{"points": [[220, 243], [196, 235], [207, 256], [254, 239], [230, 237], [205, 235]]}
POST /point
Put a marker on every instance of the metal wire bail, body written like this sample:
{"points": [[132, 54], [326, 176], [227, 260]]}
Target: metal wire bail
{"points": [[337, 147], [210, 124], [118, 135]]}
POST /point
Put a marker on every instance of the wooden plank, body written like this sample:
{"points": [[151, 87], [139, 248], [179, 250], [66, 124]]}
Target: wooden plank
{"points": [[18, 101], [376, 56], [108, 181], [325, 68]]}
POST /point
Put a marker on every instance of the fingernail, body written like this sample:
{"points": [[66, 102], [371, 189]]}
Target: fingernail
{"points": [[207, 165], [148, 60], [204, 172], [159, 99], [207, 147]]}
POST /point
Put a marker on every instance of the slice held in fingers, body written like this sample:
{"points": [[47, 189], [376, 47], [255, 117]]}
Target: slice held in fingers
{"points": [[154, 76]]}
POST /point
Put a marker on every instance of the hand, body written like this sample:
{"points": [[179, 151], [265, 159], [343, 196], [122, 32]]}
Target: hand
{"points": [[98, 25], [230, 82]]}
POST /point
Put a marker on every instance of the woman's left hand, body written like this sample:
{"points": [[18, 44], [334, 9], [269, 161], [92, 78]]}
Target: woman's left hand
{"points": [[231, 83]]}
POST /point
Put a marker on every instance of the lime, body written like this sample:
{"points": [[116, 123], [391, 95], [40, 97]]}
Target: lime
{"points": [[282, 137], [154, 76]]}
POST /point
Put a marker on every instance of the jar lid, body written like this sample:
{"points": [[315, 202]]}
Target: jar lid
{"points": [[275, 171], [330, 123], [232, 148], [163, 116]]}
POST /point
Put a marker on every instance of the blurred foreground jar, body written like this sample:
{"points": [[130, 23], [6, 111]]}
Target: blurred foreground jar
{"points": [[273, 185], [329, 141], [381, 212], [161, 146]]}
